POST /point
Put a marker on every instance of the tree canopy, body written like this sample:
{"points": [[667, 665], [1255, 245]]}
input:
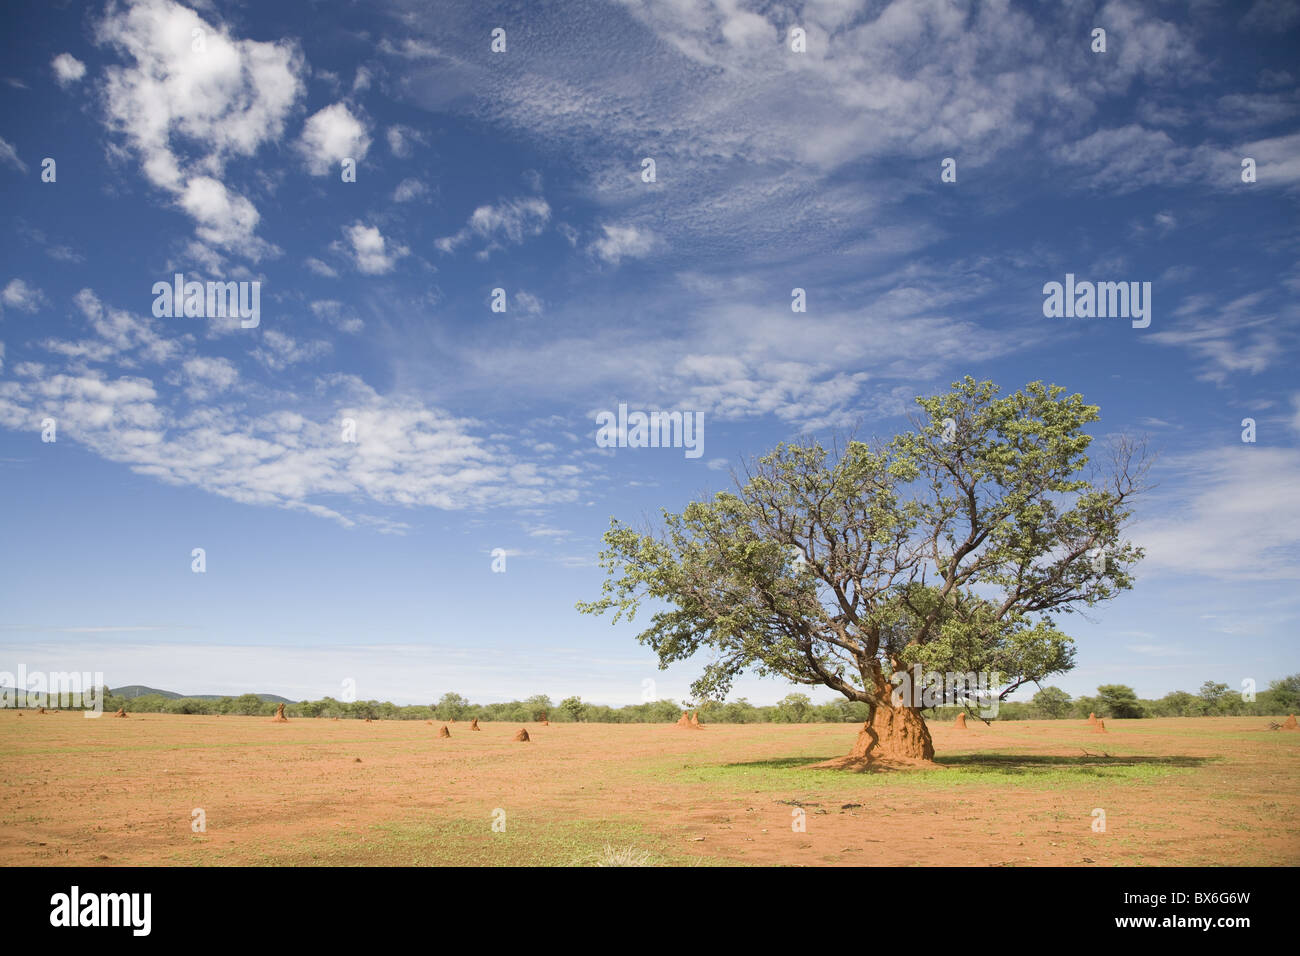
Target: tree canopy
{"points": [[955, 545]]}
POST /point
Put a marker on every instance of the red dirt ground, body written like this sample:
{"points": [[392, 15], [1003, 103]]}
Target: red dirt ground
{"points": [[1175, 791]]}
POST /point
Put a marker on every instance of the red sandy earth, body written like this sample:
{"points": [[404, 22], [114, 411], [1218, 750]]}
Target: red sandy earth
{"points": [[81, 791]]}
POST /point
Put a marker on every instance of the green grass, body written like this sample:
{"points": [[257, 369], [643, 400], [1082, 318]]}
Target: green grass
{"points": [[954, 770], [527, 841]]}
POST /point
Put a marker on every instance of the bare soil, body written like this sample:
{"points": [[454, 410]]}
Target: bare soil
{"points": [[1173, 792]]}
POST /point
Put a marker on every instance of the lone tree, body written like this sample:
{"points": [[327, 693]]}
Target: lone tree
{"points": [[953, 546]]}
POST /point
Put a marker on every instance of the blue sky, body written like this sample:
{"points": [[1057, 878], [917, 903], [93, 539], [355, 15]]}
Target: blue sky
{"points": [[522, 170]]}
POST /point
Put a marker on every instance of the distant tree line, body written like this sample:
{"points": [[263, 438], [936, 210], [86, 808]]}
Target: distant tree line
{"points": [[1122, 702], [1050, 703]]}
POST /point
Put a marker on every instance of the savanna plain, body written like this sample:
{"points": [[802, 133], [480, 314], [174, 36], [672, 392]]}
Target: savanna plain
{"points": [[160, 789]]}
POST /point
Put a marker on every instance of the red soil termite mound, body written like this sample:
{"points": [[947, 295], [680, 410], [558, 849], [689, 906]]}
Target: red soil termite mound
{"points": [[279, 717], [121, 712], [894, 738], [1092, 717], [473, 724], [1099, 727], [443, 731], [429, 722], [1290, 724], [41, 711], [695, 721], [684, 720], [960, 722], [522, 735]]}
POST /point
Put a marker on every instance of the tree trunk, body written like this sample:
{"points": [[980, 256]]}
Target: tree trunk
{"points": [[894, 737]]}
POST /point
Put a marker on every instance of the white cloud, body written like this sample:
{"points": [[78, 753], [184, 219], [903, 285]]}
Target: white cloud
{"points": [[407, 454], [1277, 159], [278, 350], [402, 140], [320, 268], [117, 335], [333, 312], [510, 221], [742, 360], [330, 136], [528, 303], [409, 189], [1246, 335], [187, 101], [1234, 515], [374, 255], [204, 376], [67, 69], [223, 218], [9, 155], [623, 242], [19, 295]]}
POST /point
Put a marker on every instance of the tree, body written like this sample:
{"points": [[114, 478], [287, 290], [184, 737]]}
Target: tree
{"points": [[451, 707], [1119, 701], [1285, 694], [954, 546], [1052, 702], [248, 704], [1220, 698], [1179, 703], [574, 707], [794, 709], [1083, 706], [537, 707]]}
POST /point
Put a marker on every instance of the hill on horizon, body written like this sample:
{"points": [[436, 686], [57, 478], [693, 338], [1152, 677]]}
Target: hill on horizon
{"points": [[131, 691]]}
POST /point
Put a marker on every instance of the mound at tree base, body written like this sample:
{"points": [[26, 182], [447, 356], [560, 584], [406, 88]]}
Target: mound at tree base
{"points": [[894, 739]]}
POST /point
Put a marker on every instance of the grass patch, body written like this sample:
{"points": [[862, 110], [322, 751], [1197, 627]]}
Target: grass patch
{"points": [[527, 841], [954, 770]]}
